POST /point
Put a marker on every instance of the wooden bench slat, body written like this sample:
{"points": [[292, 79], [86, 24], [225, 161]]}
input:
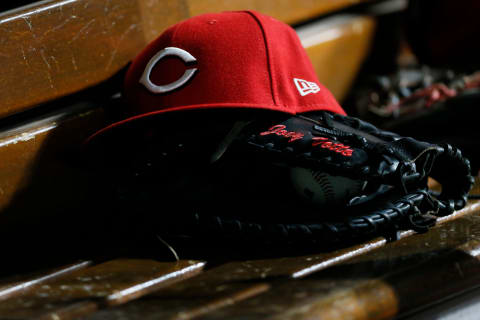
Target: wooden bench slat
{"points": [[188, 307], [326, 299], [110, 283], [61, 47], [37, 169], [8, 291]]}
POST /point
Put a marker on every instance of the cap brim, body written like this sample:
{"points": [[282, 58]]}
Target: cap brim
{"points": [[218, 110], [204, 126]]}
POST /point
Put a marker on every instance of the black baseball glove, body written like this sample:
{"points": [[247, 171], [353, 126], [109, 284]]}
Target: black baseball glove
{"points": [[221, 175], [244, 190]]}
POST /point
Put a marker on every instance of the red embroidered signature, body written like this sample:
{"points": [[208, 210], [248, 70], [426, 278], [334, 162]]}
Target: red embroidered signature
{"points": [[323, 142], [279, 130], [330, 145]]}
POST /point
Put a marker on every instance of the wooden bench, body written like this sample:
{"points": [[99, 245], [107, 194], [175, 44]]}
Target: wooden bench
{"points": [[373, 280]]}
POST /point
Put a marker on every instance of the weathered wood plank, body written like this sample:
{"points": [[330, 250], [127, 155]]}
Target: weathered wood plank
{"points": [[61, 47], [111, 283], [58, 47], [317, 298], [38, 170], [10, 290], [447, 277], [192, 305]]}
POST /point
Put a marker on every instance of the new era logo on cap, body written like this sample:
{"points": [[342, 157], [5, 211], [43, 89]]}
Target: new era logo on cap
{"points": [[306, 87]]}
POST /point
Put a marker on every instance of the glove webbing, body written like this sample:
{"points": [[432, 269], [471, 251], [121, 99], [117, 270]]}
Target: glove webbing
{"points": [[452, 171], [444, 162]]}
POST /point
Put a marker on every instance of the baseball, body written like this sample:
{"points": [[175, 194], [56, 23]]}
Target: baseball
{"points": [[320, 188]]}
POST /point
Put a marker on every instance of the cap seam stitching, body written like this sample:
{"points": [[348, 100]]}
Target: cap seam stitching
{"points": [[174, 33], [269, 63]]}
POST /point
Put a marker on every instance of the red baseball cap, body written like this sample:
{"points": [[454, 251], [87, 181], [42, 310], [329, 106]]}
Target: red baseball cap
{"points": [[240, 60]]}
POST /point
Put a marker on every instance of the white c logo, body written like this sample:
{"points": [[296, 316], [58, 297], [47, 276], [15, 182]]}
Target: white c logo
{"points": [[169, 51]]}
